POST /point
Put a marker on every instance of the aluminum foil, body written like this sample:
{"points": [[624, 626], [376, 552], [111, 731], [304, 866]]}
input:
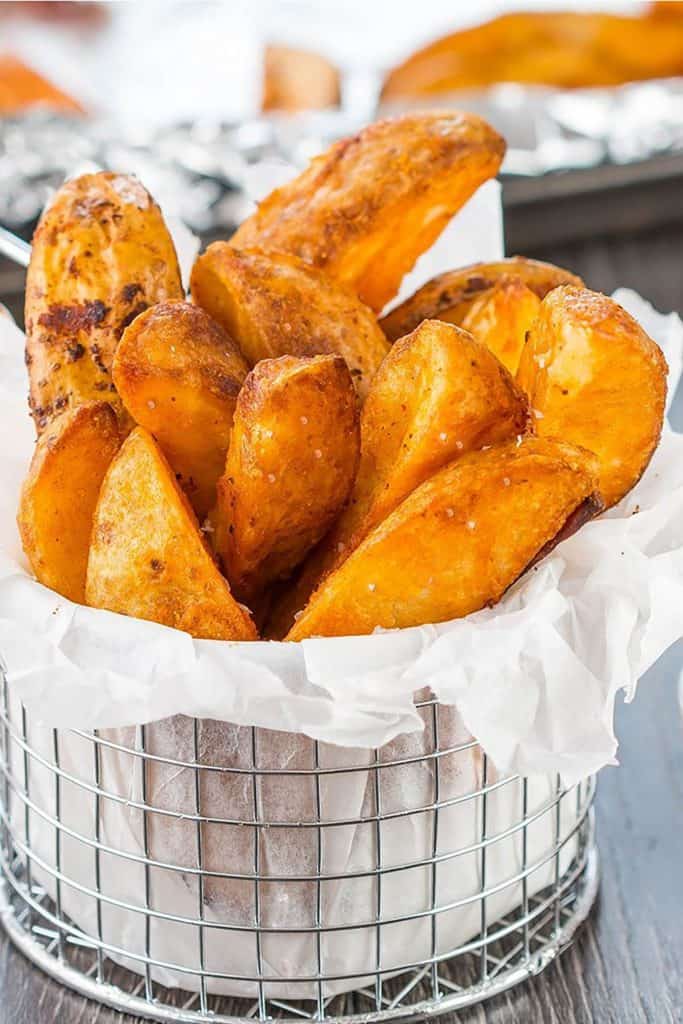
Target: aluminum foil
{"points": [[208, 172]]}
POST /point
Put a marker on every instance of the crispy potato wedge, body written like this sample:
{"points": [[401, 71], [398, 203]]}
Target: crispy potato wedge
{"points": [[101, 254], [147, 556], [179, 374], [60, 493], [567, 49], [500, 318], [290, 468], [273, 304], [368, 207], [595, 378], [450, 296], [437, 395], [459, 541]]}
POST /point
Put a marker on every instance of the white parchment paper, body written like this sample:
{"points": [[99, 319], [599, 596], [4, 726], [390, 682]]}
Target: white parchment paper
{"points": [[535, 678]]}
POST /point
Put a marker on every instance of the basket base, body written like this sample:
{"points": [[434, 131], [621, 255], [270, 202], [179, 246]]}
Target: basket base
{"points": [[42, 947]]}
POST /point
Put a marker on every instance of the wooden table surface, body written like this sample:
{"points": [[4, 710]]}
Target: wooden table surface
{"points": [[625, 966]]}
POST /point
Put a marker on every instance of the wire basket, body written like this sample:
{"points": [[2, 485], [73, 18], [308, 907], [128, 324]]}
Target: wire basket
{"points": [[130, 877]]}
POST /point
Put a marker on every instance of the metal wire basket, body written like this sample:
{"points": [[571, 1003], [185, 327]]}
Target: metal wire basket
{"points": [[130, 876]]}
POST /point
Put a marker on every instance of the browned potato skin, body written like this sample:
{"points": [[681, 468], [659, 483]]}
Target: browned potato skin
{"points": [[59, 495], [179, 374], [368, 207], [273, 304], [458, 542], [501, 317], [101, 254], [450, 296], [595, 378], [290, 468], [437, 395], [148, 558]]}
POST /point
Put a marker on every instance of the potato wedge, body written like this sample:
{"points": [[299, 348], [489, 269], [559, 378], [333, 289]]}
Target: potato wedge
{"points": [[500, 318], [178, 374], [450, 296], [290, 468], [147, 556], [101, 254], [595, 378], [368, 207], [273, 304], [437, 395], [459, 541], [60, 493]]}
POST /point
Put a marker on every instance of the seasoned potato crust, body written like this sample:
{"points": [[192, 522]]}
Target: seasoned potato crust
{"points": [[437, 395], [291, 465], [179, 374], [60, 493], [368, 207], [147, 556], [101, 254], [595, 378], [273, 304], [458, 541], [450, 296]]}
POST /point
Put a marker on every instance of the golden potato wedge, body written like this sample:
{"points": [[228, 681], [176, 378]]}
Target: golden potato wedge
{"points": [[60, 493], [273, 305], [101, 254], [450, 296], [437, 395], [500, 318], [148, 558], [368, 207], [178, 374], [291, 465], [595, 378], [458, 541]]}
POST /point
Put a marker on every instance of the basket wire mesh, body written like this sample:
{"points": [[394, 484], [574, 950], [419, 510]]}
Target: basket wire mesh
{"points": [[506, 949]]}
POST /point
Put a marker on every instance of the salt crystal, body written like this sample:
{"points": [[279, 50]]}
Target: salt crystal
{"points": [[304, 419], [506, 481], [151, 404], [519, 440], [538, 414], [318, 454], [372, 587], [271, 478], [459, 445], [450, 513], [471, 524], [443, 436]]}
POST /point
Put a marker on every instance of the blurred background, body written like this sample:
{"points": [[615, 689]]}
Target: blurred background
{"points": [[198, 98]]}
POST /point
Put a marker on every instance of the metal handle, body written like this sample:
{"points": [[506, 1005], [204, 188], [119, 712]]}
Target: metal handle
{"points": [[15, 248]]}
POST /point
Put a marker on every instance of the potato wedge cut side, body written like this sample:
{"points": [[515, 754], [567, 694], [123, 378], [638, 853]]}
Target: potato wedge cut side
{"points": [[437, 395], [290, 468], [368, 207], [501, 317], [595, 378], [148, 558], [273, 304], [450, 296], [458, 542], [60, 493], [101, 254], [179, 374]]}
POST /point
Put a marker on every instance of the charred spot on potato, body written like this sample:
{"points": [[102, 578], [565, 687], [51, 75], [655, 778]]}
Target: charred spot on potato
{"points": [[70, 319], [75, 352], [97, 359], [129, 317], [156, 565], [129, 291]]}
